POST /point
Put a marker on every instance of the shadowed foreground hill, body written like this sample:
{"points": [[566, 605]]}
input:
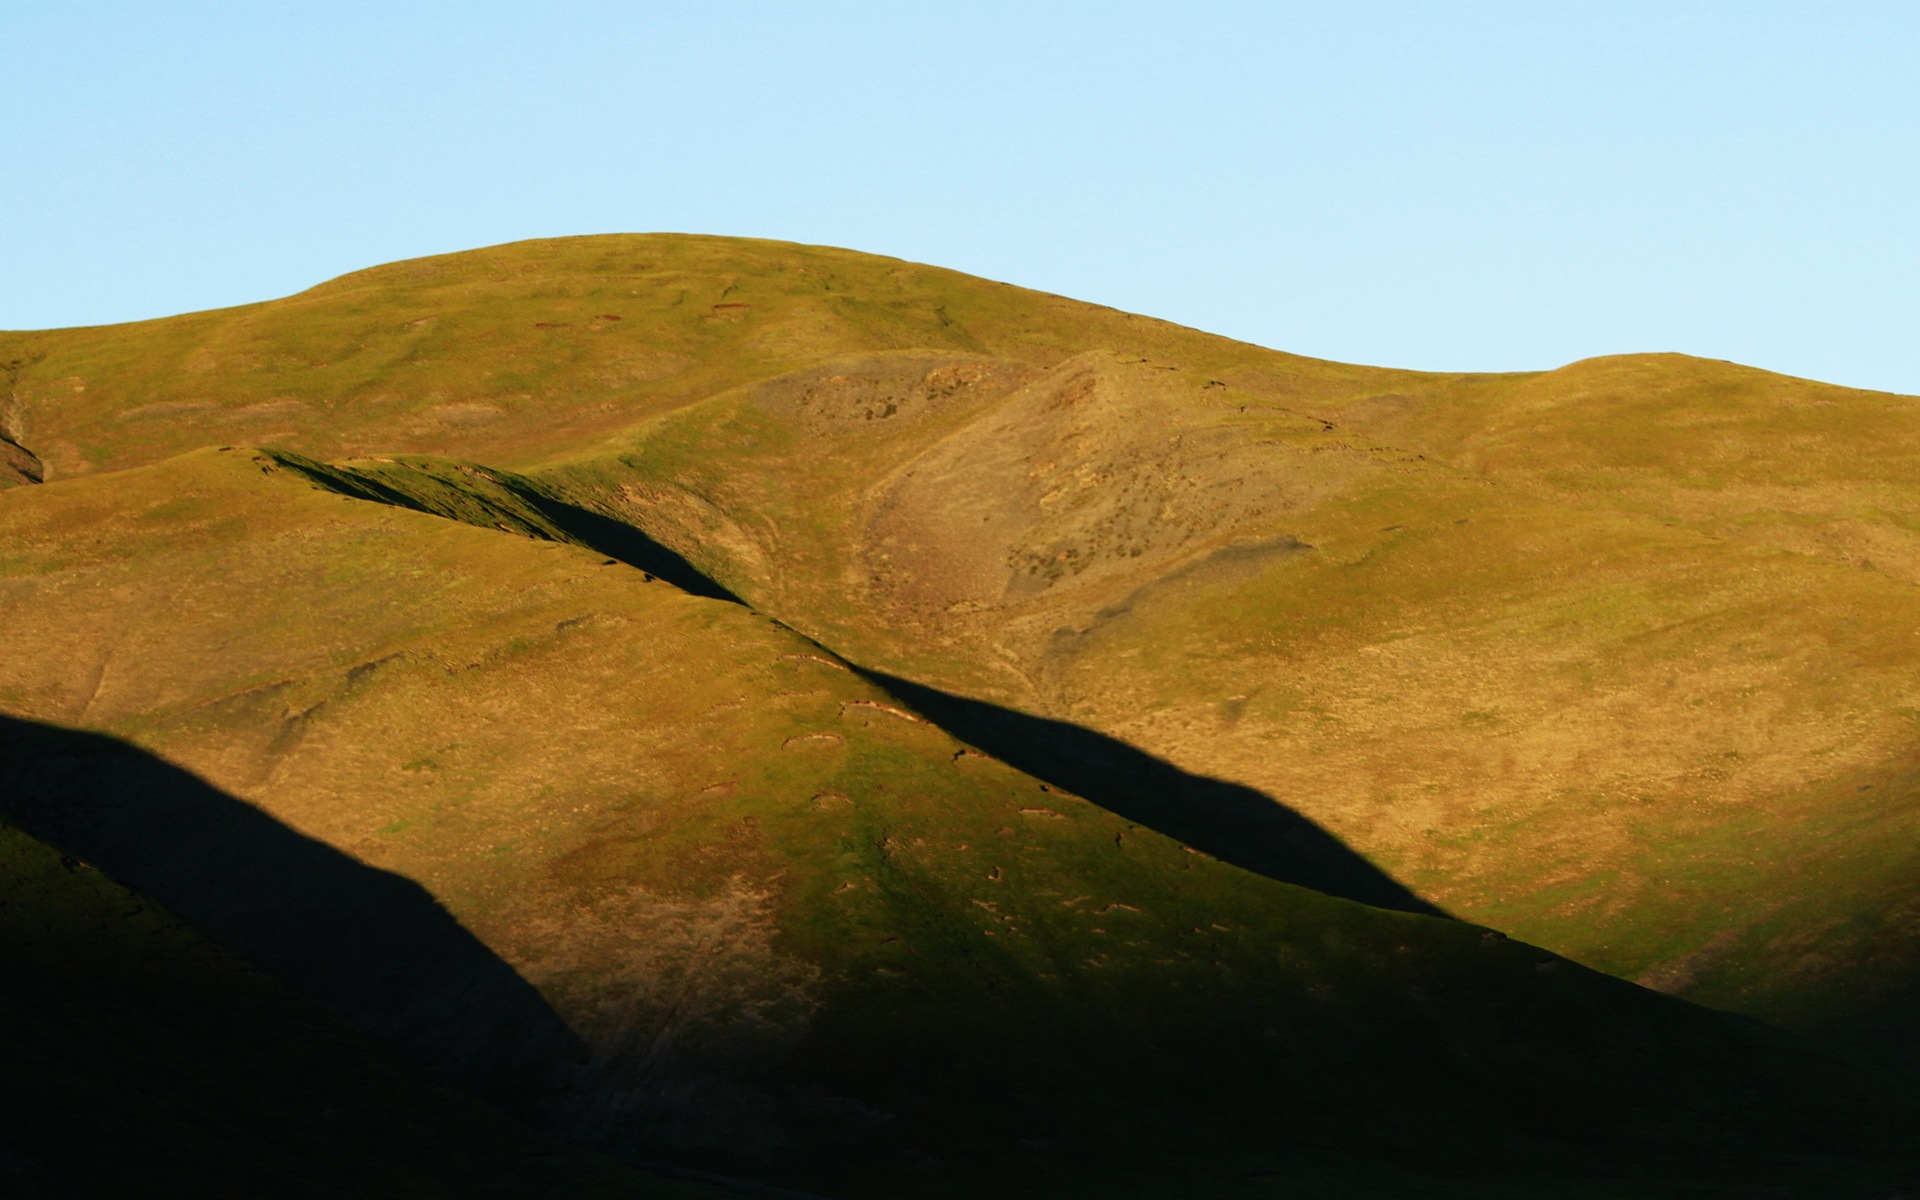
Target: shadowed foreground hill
{"points": [[140, 1059], [806, 678]]}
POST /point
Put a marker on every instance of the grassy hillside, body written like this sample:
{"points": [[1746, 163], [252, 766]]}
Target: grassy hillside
{"points": [[1676, 743], [1619, 659], [796, 930], [514, 354]]}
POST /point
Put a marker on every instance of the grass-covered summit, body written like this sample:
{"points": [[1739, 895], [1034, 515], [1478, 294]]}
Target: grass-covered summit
{"points": [[890, 731]]}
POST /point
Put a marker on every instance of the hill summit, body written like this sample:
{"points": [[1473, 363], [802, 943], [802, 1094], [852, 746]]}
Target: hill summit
{"points": [[763, 711]]}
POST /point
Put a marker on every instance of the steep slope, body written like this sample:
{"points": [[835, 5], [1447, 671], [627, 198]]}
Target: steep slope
{"points": [[790, 928], [139, 1059]]}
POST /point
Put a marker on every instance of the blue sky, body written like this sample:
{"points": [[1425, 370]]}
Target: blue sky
{"points": [[1454, 186]]}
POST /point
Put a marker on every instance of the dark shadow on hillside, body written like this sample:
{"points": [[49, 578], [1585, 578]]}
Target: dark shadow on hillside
{"points": [[373, 946], [1231, 822], [619, 540], [432, 487], [1234, 823]]}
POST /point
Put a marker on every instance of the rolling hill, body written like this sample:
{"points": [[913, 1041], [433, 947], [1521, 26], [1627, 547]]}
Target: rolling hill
{"points": [[804, 715]]}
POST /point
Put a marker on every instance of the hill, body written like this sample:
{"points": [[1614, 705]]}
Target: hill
{"points": [[1657, 714], [898, 857], [143, 1060]]}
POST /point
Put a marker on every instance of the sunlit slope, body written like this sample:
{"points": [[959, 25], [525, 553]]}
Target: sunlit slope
{"points": [[794, 930], [515, 353], [138, 1059], [1618, 657], [1643, 701]]}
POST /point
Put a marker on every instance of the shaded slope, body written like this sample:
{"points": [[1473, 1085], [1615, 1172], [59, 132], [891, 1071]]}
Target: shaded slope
{"points": [[808, 936], [139, 1059], [494, 499], [367, 943], [1234, 824]]}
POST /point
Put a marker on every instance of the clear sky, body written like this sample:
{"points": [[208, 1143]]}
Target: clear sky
{"points": [[1454, 186]]}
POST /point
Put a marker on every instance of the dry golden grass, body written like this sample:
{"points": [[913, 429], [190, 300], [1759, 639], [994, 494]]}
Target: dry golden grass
{"points": [[1619, 658]]}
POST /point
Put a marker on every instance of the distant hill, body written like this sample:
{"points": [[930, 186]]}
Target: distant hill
{"points": [[883, 732]]}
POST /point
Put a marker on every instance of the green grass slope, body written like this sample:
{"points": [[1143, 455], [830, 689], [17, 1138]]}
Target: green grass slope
{"points": [[1616, 657], [139, 1059], [795, 931], [1648, 697], [514, 354]]}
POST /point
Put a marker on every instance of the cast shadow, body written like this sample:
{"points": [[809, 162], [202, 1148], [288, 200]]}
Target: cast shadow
{"points": [[375, 947], [1232, 822], [596, 531], [1229, 821], [619, 540]]}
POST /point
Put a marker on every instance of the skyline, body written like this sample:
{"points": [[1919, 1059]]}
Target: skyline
{"points": [[1494, 188]]}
